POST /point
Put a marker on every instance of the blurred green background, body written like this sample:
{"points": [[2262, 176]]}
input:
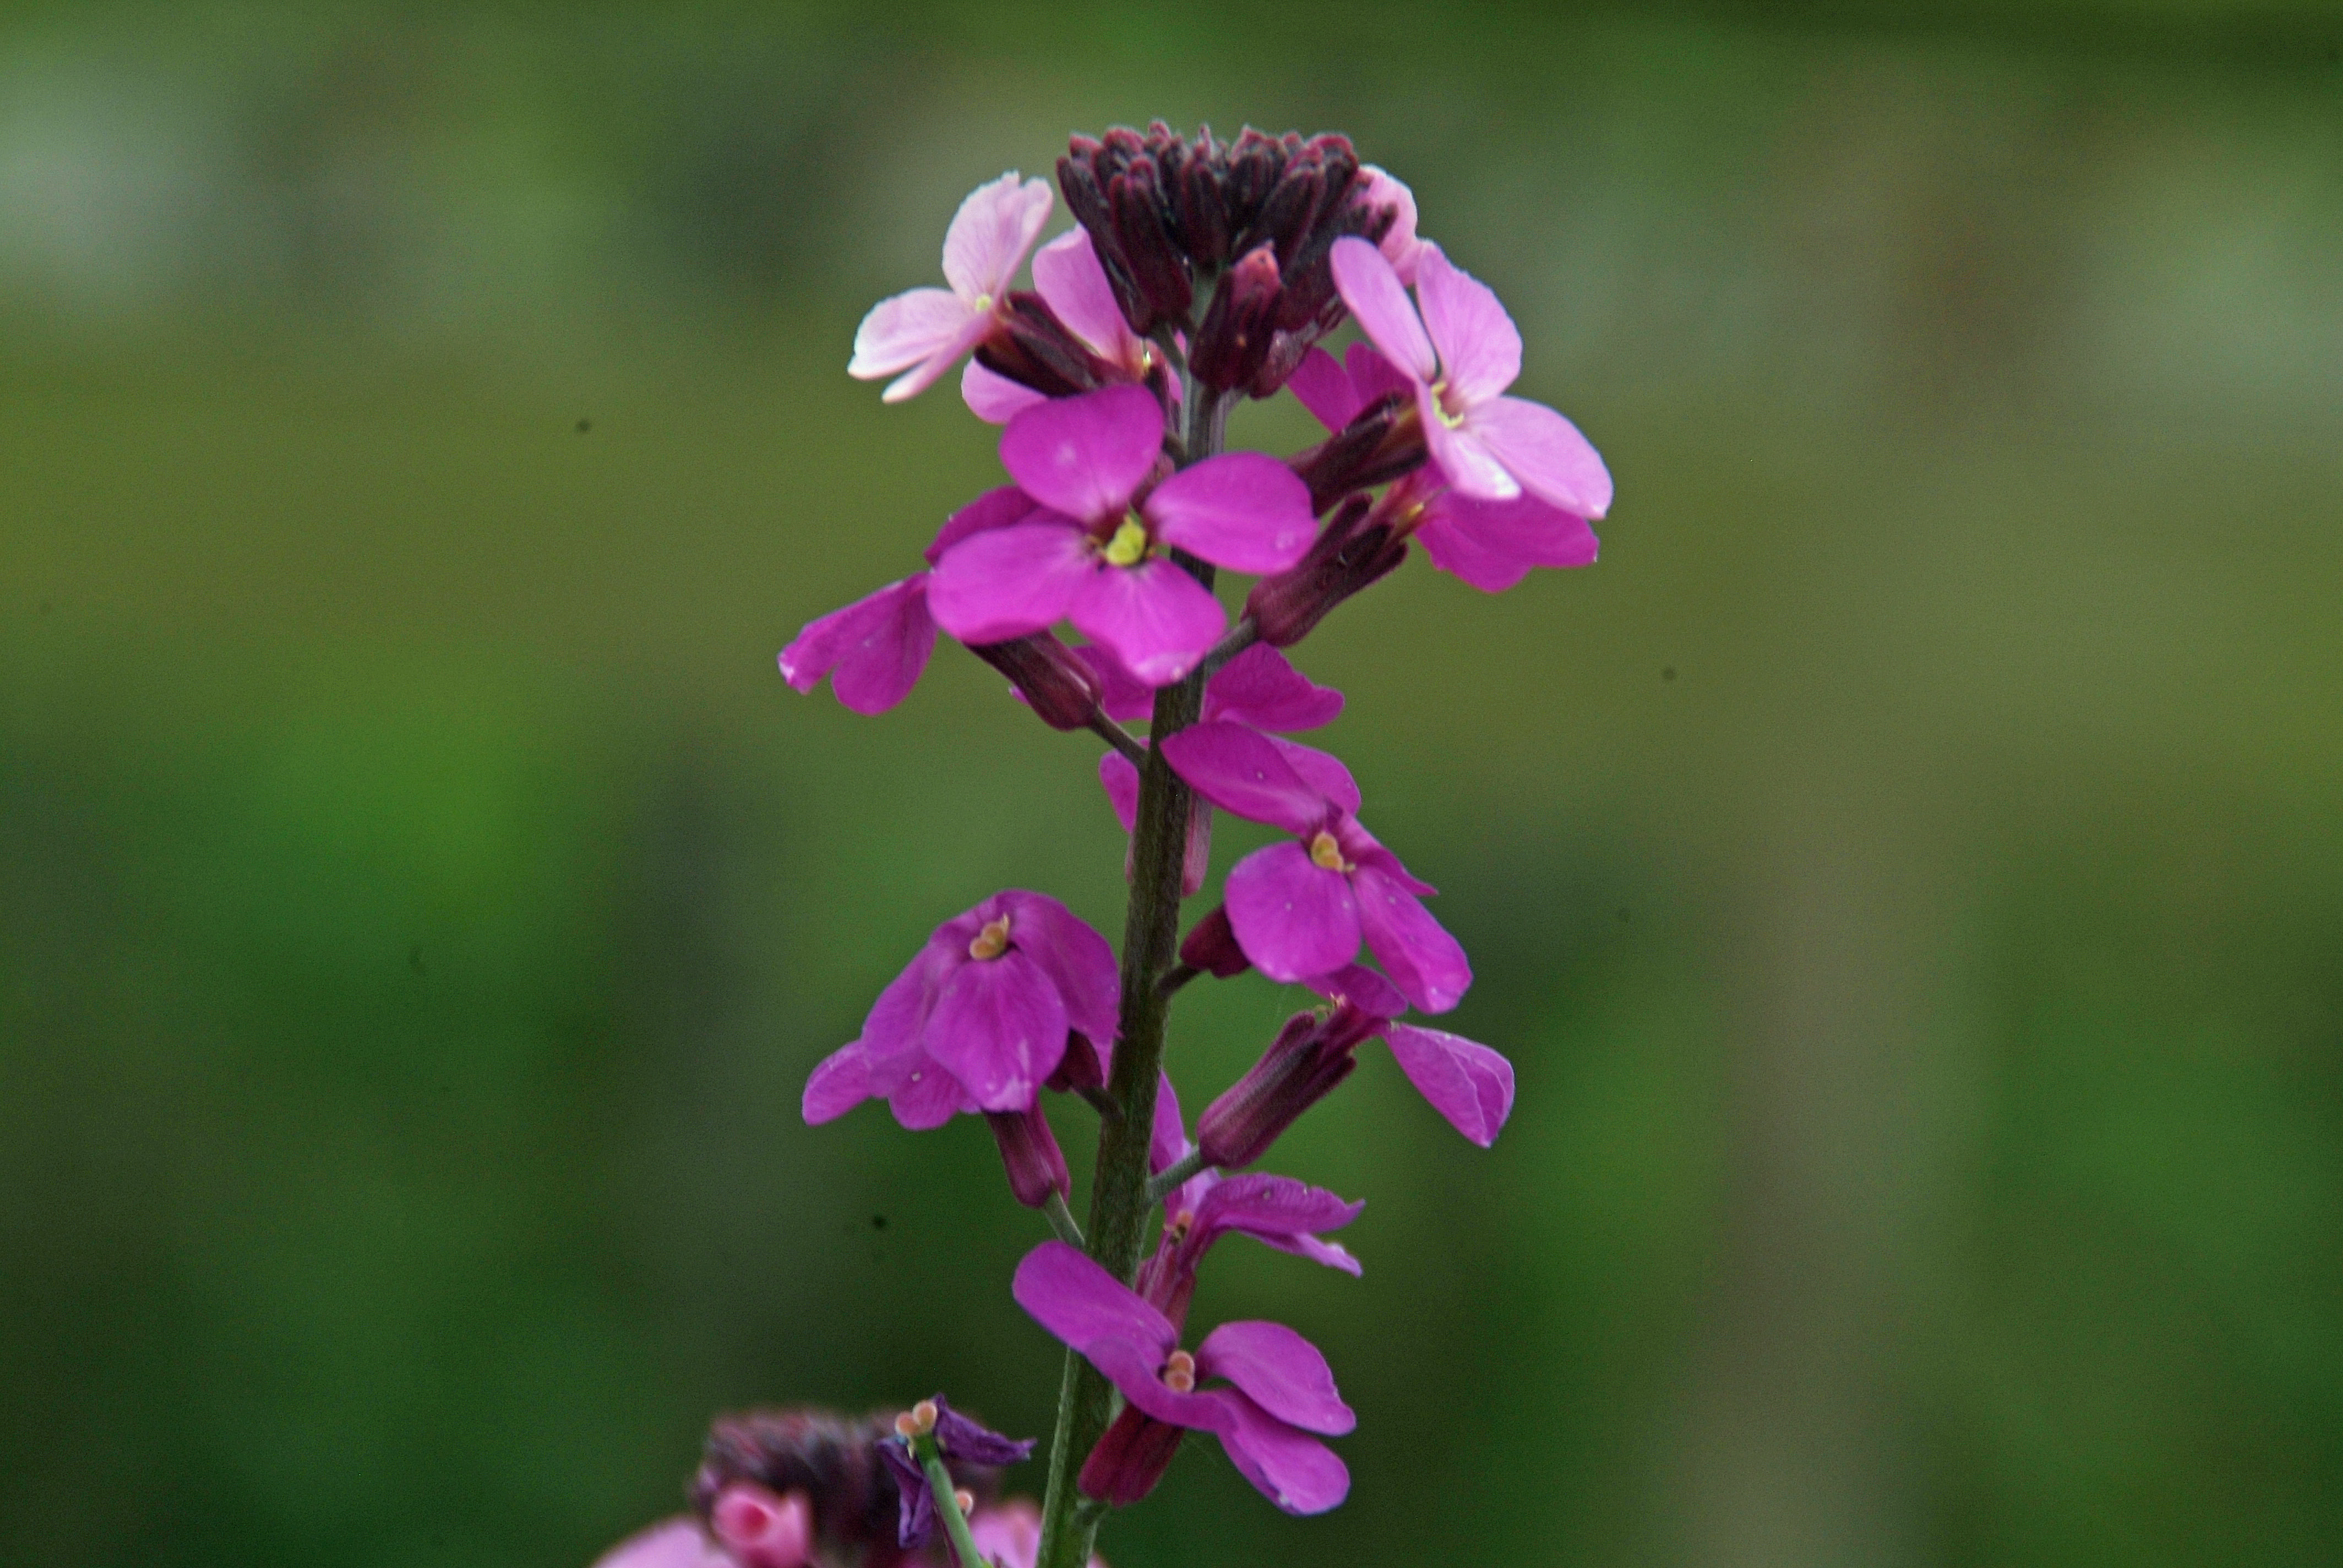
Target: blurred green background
{"points": [[1906, 871]]}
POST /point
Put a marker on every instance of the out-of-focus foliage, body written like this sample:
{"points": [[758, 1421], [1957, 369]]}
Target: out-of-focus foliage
{"points": [[1906, 871]]}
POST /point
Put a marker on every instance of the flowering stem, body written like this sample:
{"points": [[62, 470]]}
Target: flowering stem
{"points": [[1062, 1219], [939, 1484], [1150, 934], [1176, 1173]]}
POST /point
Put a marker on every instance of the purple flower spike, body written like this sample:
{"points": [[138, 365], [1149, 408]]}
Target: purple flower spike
{"points": [[923, 333], [978, 1019], [1278, 1391], [1461, 354], [1301, 909], [1275, 1211], [1097, 552]]}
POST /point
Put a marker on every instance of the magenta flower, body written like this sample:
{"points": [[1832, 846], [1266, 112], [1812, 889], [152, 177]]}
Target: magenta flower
{"points": [[1278, 1390], [1491, 545], [1096, 551], [1399, 244], [923, 333], [1459, 357], [1275, 1211], [978, 1019], [1300, 908], [1009, 1534], [1071, 283]]}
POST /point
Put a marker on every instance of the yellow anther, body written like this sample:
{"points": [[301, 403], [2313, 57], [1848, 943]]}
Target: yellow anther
{"points": [[1327, 855], [1180, 1373], [905, 1427], [991, 942], [923, 1417], [1439, 402], [1129, 546]]}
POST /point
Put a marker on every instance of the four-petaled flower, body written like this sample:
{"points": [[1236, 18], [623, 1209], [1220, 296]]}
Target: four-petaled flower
{"points": [[1094, 549], [1278, 1390], [1299, 909], [1459, 358], [1491, 545], [978, 1019], [924, 332]]}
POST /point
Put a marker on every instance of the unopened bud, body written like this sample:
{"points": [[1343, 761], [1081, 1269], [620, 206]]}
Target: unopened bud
{"points": [[1031, 346], [1062, 690], [1300, 1068], [1352, 551], [1158, 270], [1210, 945], [1029, 1151], [1384, 442], [1239, 324]]}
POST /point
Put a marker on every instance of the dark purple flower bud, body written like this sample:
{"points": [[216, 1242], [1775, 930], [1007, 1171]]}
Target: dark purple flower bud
{"points": [[1061, 689], [1198, 201], [1135, 205], [1354, 550], [1131, 1458], [1286, 215], [1253, 165], [1381, 445], [1033, 348], [1083, 1066], [1309, 1056], [1210, 945], [1234, 341], [1037, 1167]]}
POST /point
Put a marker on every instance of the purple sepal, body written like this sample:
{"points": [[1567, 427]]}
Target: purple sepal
{"points": [[958, 1437], [1129, 1458], [1355, 550], [1029, 1151], [915, 1522], [1300, 1067], [1212, 946], [1062, 690]]}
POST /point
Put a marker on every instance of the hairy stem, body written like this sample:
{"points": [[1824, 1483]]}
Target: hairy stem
{"points": [[1174, 1175], [1150, 936]]}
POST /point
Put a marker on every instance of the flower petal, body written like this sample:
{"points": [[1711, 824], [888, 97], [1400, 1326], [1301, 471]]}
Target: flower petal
{"points": [[1544, 452], [1120, 779], [1374, 376], [1323, 387], [1279, 1371], [993, 397], [678, 1542], [1279, 1210], [1323, 771], [1479, 346], [838, 1084], [1423, 960], [1000, 1028], [1155, 616], [1075, 958], [1362, 987], [1122, 696], [873, 650], [1068, 276], [1292, 917], [1471, 467], [1243, 771], [1377, 298], [1288, 1466], [1243, 510], [1085, 456], [890, 1031], [1492, 545], [1004, 506], [1080, 1303], [907, 330], [1399, 244], [961, 1438], [1010, 582], [928, 1098], [1467, 1083], [996, 224], [1260, 688]]}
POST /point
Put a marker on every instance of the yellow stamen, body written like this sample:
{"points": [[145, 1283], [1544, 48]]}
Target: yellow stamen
{"points": [[1129, 546], [1180, 1373], [1327, 855], [1440, 403], [991, 942], [923, 1417], [905, 1426]]}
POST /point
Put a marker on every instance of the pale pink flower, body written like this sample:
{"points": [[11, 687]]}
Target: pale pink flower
{"points": [[1071, 283], [924, 332]]}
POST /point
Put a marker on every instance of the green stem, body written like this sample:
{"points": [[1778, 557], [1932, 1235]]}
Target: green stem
{"points": [[1150, 935], [940, 1484], [1061, 1220], [1174, 1175]]}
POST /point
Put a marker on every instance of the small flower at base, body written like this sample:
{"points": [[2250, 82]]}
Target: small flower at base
{"points": [[1353, 551], [1233, 343], [760, 1530], [1036, 1166], [959, 1441], [1210, 945], [1302, 1066], [1129, 1458]]}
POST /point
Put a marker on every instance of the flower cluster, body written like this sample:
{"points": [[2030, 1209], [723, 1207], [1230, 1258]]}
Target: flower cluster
{"points": [[1200, 273]]}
